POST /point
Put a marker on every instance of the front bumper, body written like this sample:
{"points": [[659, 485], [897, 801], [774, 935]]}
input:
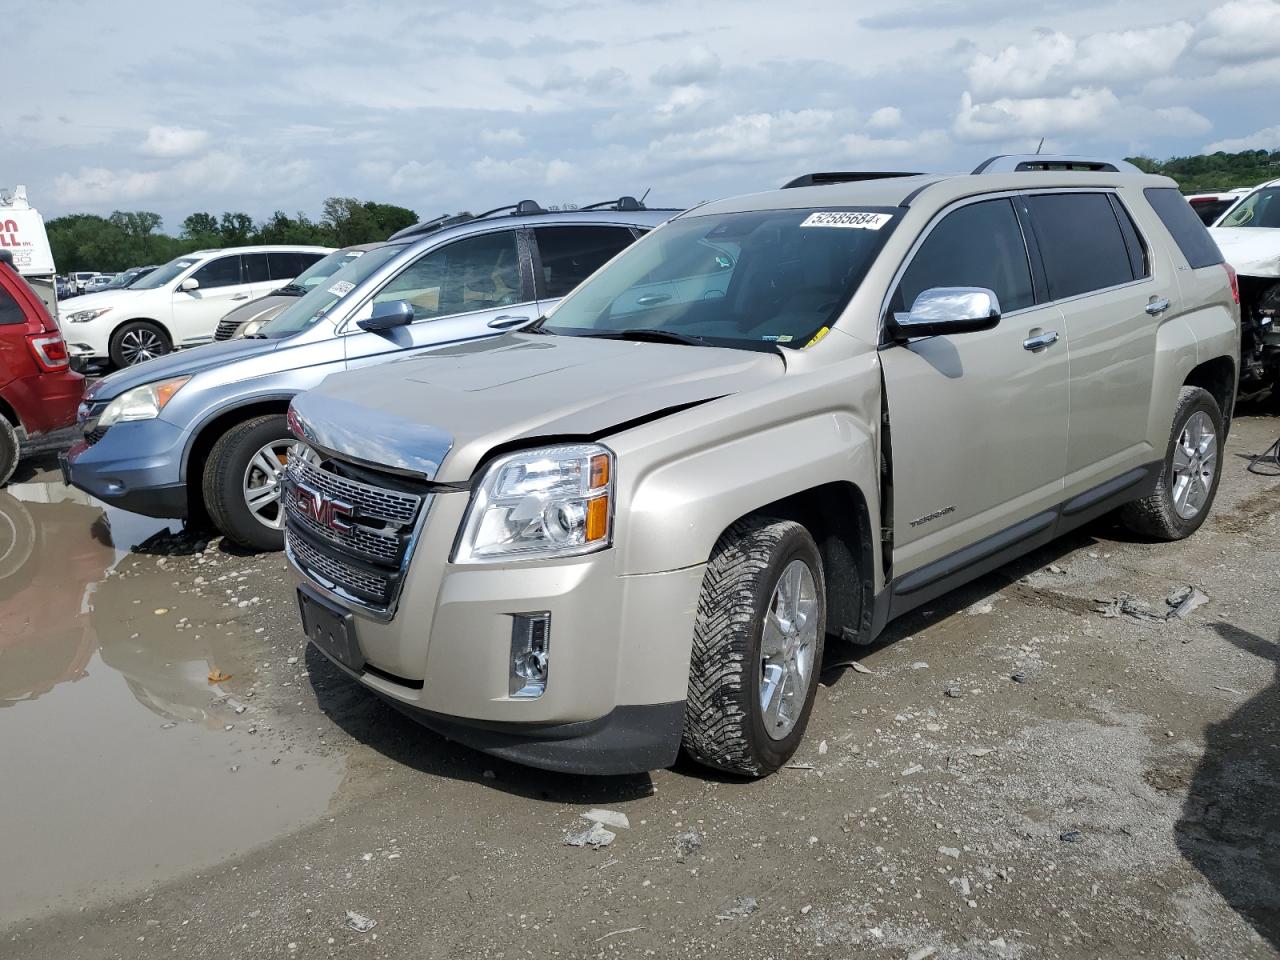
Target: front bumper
{"points": [[134, 466], [619, 654]]}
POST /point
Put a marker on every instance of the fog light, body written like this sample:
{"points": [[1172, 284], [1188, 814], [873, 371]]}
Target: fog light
{"points": [[530, 648]]}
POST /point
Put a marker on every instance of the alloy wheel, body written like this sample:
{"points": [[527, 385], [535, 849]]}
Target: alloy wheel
{"points": [[787, 644], [264, 479], [139, 345], [1195, 461]]}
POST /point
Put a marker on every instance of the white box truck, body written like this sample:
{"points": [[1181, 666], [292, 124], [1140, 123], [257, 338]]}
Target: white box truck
{"points": [[22, 233]]}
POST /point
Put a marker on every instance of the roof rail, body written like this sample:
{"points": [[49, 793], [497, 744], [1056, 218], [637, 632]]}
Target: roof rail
{"points": [[1038, 162], [522, 209], [822, 179], [623, 204]]}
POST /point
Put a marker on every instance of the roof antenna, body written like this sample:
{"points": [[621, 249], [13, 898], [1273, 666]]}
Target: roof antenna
{"points": [[642, 196], [1040, 147]]}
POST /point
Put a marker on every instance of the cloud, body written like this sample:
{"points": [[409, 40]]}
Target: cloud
{"points": [[503, 137], [886, 118], [860, 147], [1053, 62], [103, 187], [1081, 110], [700, 65], [748, 137], [1268, 138], [174, 141], [1240, 31]]}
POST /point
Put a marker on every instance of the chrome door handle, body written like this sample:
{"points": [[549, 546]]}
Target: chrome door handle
{"points": [[1157, 307], [1040, 341], [505, 321], [241, 296]]}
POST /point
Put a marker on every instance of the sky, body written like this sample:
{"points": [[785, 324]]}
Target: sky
{"points": [[441, 106]]}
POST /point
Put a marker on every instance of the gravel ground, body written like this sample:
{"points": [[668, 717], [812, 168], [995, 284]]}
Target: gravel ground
{"points": [[1028, 769]]}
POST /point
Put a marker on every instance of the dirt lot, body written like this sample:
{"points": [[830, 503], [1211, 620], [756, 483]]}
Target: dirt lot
{"points": [[1011, 774]]}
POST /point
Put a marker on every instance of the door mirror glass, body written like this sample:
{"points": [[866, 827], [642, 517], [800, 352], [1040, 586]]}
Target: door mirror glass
{"points": [[388, 315], [189, 284], [939, 311]]}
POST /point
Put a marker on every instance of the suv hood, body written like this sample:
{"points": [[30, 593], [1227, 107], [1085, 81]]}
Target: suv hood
{"points": [[1251, 251], [467, 399], [183, 363], [95, 301]]}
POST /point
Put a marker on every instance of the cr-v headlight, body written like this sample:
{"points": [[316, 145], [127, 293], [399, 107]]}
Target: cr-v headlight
{"points": [[141, 403], [550, 502]]}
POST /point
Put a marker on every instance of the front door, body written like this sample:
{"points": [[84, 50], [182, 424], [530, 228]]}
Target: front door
{"points": [[468, 288], [978, 421], [221, 289]]}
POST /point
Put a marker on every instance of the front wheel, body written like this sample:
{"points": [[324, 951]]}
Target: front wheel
{"points": [[757, 647], [244, 481], [136, 341], [1189, 476]]}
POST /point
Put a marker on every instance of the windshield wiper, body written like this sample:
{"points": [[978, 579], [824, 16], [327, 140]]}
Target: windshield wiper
{"points": [[652, 334], [291, 290]]}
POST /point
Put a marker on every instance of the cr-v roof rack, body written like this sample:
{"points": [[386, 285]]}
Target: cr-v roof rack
{"points": [[624, 204], [822, 179], [522, 209], [1037, 162]]}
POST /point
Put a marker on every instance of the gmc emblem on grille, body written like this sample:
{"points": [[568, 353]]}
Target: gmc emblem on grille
{"points": [[324, 510]]}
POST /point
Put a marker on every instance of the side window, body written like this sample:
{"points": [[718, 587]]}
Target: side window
{"points": [[223, 272], [10, 309], [1184, 226], [1080, 242], [255, 267], [978, 245], [285, 265], [475, 273], [1138, 259], [571, 254]]}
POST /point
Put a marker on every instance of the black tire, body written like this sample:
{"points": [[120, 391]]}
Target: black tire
{"points": [[10, 449], [224, 479], [1156, 516], [126, 333], [724, 719]]}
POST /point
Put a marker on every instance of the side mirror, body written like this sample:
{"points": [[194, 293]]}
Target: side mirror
{"points": [[189, 284], [939, 311], [388, 315]]}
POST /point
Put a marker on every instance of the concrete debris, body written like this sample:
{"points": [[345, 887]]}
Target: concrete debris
{"points": [[738, 908], [980, 609], [595, 836], [923, 953], [688, 843], [979, 751], [1183, 601], [822, 748], [951, 852], [359, 922], [955, 693], [912, 770], [610, 818], [1071, 836]]}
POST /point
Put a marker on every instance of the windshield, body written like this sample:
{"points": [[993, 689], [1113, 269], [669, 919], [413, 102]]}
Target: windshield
{"points": [[162, 275], [122, 279], [324, 268], [320, 299], [1259, 209], [748, 280]]}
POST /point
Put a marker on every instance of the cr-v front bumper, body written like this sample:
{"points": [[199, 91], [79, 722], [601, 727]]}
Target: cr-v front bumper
{"points": [[136, 466], [617, 666]]}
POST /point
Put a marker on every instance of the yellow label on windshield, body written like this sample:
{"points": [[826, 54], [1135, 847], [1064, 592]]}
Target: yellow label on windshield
{"points": [[818, 336]]}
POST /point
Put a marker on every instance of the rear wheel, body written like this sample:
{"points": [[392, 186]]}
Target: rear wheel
{"points": [[1189, 477], [757, 644], [244, 481], [10, 450], [138, 340]]}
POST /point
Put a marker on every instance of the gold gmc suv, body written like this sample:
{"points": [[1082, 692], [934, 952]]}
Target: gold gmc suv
{"points": [[628, 527]]}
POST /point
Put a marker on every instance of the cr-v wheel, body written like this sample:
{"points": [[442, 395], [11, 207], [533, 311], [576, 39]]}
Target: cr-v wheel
{"points": [[757, 647], [244, 481], [1189, 476]]}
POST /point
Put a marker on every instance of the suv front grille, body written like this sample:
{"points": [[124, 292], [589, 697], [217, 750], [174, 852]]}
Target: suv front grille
{"points": [[226, 329], [360, 550], [93, 436]]}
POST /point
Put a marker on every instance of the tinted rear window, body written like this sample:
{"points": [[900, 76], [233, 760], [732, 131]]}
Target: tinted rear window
{"points": [[1184, 226], [571, 254], [1080, 242], [255, 267], [10, 309], [285, 265]]}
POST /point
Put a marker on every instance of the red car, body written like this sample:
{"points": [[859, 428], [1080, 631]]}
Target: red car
{"points": [[38, 390]]}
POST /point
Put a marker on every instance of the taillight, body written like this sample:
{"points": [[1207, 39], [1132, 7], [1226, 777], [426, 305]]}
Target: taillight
{"points": [[50, 352], [1235, 282]]}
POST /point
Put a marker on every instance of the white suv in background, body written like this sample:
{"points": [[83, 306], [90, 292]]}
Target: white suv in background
{"points": [[179, 304]]}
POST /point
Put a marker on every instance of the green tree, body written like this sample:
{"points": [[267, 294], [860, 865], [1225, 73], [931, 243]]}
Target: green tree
{"points": [[200, 227], [236, 229], [352, 221]]}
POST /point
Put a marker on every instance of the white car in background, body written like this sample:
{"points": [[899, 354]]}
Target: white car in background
{"points": [[1248, 235], [178, 304]]}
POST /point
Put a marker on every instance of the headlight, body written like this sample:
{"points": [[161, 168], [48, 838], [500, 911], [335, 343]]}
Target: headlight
{"points": [[84, 316], [141, 403], [252, 327], [552, 502]]}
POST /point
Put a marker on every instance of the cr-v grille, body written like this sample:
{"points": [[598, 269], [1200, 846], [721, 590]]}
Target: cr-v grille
{"points": [[351, 536]]}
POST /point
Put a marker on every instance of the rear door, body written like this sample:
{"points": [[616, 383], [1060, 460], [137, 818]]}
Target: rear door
{"points": [[978, 421], [196, 312], [1114, 295], [566, 254], [471, 287]]}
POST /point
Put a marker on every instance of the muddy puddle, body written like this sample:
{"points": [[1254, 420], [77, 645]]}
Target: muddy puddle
{"points": [[135, 743]]}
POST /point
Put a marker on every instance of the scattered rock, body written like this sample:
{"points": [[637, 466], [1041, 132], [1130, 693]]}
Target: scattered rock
{"points": [[955, 693], [923, 953], [738, 908], [822, 748], [595, 836], [980, 609], [291, 661], [951, 852], [979, 751], [1071, 836], [1019, 678], [688, 843], [859, 668], [912, 770], [359, 922], [611, 818], [161, 611]]}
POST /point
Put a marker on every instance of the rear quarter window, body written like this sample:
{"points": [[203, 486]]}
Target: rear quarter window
{"points": [[1081, 243], [10, 310], [1184, 226]]}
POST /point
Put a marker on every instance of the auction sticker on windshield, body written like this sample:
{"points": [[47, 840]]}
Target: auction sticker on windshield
{"points": [[342, 288], [848, 219]]}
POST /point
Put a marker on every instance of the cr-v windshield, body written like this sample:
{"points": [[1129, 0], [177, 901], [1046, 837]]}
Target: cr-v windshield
{"points": [[307, 310], [321, 270], [748, 280]]}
